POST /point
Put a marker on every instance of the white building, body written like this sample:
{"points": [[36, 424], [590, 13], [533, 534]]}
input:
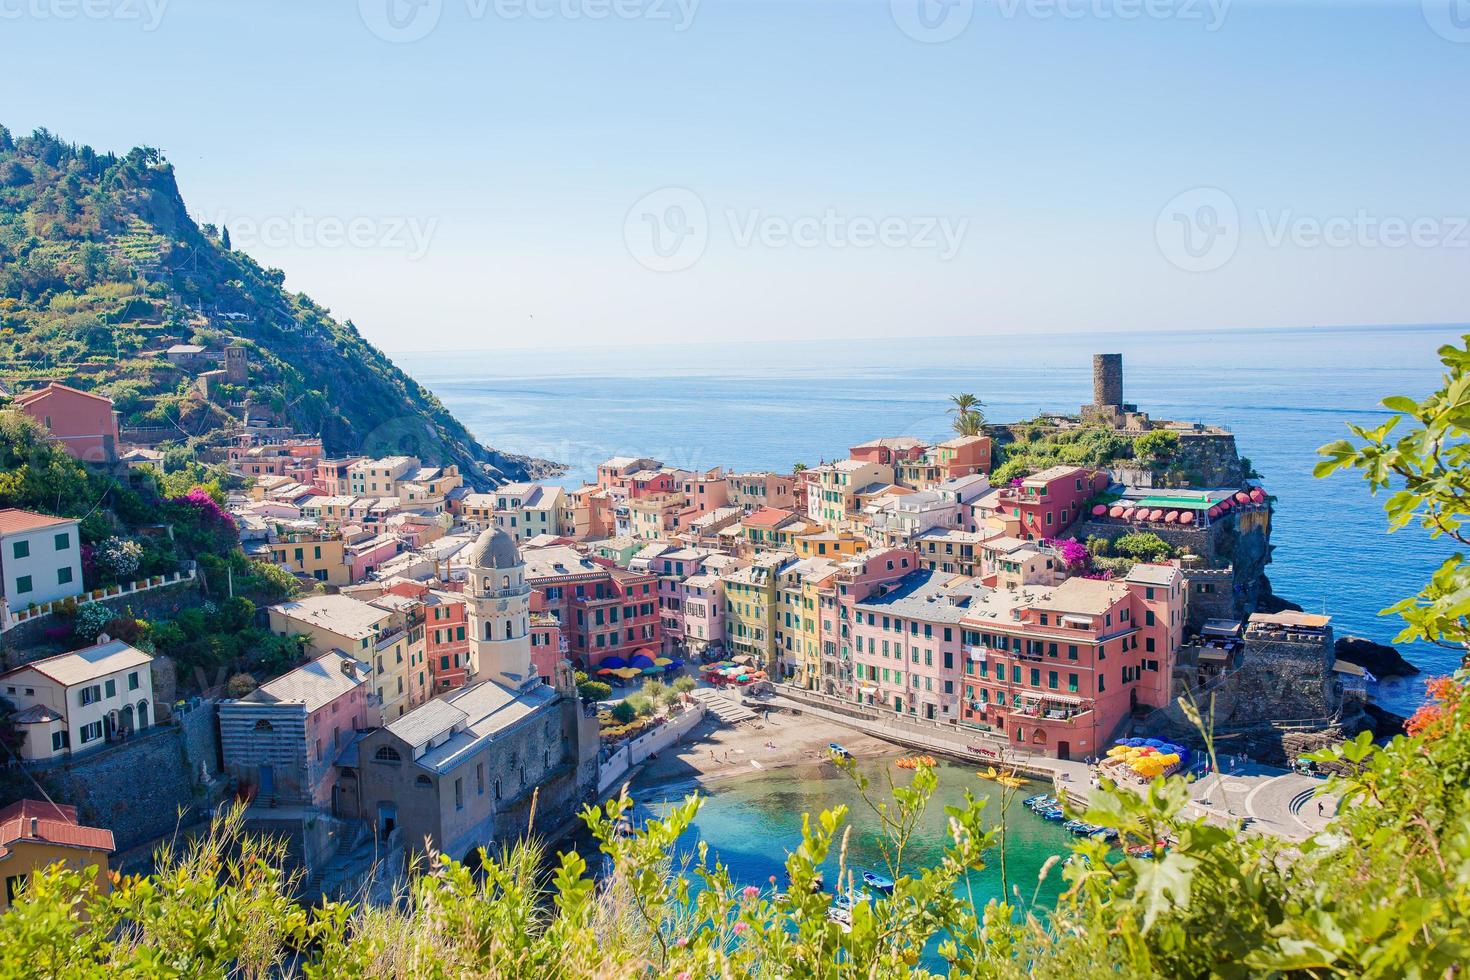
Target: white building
{"points": [[40, 558], [80, 700]]}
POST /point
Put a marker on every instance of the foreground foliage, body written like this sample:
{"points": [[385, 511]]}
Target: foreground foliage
{"points": [[1385, 892]]}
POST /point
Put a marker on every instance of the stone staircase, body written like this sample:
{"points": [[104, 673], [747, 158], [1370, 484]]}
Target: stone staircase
{"points": [[727, 710]]}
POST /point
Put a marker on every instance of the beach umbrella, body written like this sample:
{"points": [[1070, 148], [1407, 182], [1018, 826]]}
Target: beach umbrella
{"points": [[662, 661], [677, 662], [653, 670], [1186, 517], [606, 671], [614, 662], [1171, 517], [1115, 511], [1241, 497], [1099, 510], [1156, 514], [627, 673], [1258, 495], [640, 661]]}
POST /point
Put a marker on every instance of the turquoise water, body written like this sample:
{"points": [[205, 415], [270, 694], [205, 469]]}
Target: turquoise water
{"points": [[752, 822], [765, 405]]}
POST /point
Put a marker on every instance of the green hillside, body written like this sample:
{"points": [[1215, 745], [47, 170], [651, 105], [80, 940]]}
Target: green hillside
{"points": [[102, 269]]}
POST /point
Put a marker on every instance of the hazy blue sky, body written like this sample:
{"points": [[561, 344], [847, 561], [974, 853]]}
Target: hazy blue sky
{"points": [[493, 173]]}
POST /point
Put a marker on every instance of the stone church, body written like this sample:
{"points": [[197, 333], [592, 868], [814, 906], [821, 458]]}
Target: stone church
{"points": [[459, 772]]}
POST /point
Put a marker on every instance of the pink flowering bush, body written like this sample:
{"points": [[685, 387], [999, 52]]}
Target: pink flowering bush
{"points": [[201, 524]]}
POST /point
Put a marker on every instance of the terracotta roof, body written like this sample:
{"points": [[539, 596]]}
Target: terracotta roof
{"points": [[30, 396], [13, 520], [49, 822], [768, 517]]}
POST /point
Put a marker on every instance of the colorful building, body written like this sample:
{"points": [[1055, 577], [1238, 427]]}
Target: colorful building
{"points": [[80, 700], [36, 835], [82, 423], [750, 607], [1061, 667], [1047, 503], [40, 558], [890, 450], [798, 632], [753, 491], [835, 490]]}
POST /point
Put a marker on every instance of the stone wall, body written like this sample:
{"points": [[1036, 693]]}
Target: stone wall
{"points": [[137, 788], [27, 641]]}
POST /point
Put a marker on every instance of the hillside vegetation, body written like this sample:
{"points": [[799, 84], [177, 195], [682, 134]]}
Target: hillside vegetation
{"points": [[102, 269]]}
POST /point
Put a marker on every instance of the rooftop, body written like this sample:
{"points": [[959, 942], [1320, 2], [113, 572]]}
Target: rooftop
{"points": [[13, 520], [470, 716], [313, 684], [51, 823], [340, 614], [1084, 596], [87, 664], [930, 596], [1163, 575]]}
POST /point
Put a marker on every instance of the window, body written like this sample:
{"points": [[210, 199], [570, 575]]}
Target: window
{"points": [[60, 740], [92, 732], [459, 794], [111, 687], [23, 584], [63, 576], [424, 782], [387, 754], [21, 549], [89, 695], [480, 778]]}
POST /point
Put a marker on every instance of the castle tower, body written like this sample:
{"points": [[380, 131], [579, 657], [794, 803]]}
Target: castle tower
{"points": [[1107, 380], [237, 364], [498, 603]]}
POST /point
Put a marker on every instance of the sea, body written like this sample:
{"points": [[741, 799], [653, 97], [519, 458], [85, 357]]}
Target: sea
{"points": [[769, 405]]}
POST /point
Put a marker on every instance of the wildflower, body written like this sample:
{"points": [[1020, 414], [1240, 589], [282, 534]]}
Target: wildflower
{"points": [[751, 891], [740, 928]]}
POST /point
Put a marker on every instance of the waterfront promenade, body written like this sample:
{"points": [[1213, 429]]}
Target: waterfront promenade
{"points": [[1264, 799]]}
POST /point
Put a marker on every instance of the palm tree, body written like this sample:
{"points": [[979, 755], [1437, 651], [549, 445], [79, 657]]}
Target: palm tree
{"points": [[969, 417], [799, 468]]}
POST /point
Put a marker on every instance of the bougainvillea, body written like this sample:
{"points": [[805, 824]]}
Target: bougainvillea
{"points": [[1432, 720], [201, 524]]}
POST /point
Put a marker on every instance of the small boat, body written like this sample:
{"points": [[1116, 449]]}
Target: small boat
{"points": [[1035, 801], [989, 772], [837, 750], [848, 899], [1078, 827], [1104, 833], [843, 917], [1012, 781], [1055, 815], [1146, 852], [878, 882]]}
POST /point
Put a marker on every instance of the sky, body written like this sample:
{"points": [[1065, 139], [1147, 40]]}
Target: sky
{"points": [[453, 174]]}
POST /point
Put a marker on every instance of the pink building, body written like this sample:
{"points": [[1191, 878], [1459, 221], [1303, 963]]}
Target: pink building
{"points": [[702, 599], [83, 423], [703, 494], [284, 737], [858, 578], [548, 646], [906, 642], [752, 491], [889, 451], [1046, 504], [365, 551], [1059, 671]]}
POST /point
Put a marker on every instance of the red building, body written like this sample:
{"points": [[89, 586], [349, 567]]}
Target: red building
{"points": [[1064, 667], [548, 648], [1046, 504], [602, 610], [442, 616], [889, 451], [83, 423]]}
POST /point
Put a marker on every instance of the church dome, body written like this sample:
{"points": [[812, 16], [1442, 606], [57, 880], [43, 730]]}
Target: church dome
{"points": [[494, 549]]}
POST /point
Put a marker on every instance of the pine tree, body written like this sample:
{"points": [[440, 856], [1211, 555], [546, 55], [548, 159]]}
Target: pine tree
{"points": [[224, 237]]}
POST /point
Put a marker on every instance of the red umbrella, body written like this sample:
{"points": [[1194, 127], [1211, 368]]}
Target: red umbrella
{"points": [[1128, 513], [1214, 512], [1099, 510], [1186, 517], [1258, 495], [1156, 515], [1242, 497], [1116, 511], [1172, 517]]}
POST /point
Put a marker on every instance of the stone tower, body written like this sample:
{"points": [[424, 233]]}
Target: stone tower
{"points": [[1107, 380], [498, 602], [237, 364]]}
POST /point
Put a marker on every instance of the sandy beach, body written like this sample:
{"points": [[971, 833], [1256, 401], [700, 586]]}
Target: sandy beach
{"points": [[714, 751]]}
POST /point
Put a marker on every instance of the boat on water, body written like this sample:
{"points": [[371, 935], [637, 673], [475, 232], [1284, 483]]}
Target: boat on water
{"points": [[1038, 802], [1004, 778], [1078, 827], [1146, 851], [1104, 833], [878, 882], [1056, 814]]}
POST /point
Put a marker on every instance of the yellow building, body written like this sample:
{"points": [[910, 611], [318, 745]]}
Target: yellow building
{"points": [[750, 607], [830, 544], [834, 490], [313, 555], [361, 630], [34, 836], [798, 614]]}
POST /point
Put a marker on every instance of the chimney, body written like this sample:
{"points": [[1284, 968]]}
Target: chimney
{"points": [[349, 667]]}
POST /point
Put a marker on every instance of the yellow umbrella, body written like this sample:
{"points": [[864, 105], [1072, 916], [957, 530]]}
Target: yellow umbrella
{"points": [[663, 661], [628, 673]]}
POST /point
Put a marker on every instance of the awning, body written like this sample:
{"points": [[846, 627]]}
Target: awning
{"points": [[1052, 696], [868, 690]]}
